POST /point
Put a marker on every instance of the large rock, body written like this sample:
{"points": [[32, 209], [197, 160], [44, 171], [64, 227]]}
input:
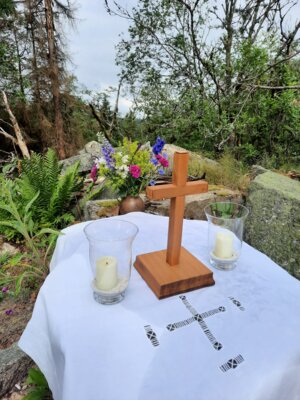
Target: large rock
{"points": [[194, 159], [14, 365], [86, 157], [273, 225], [95, 209], [93, 148]]}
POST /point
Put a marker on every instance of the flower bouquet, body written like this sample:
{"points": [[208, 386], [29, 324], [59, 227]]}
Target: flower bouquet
{"points": [[131, 167]]}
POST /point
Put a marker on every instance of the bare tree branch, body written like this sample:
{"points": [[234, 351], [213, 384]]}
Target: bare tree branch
{"points": [[8, 136], [19, 137], [292, 87], [114, 119], [96, 116]]}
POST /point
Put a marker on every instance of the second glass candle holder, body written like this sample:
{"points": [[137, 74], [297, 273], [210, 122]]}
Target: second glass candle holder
{"points": [[225, 233]]}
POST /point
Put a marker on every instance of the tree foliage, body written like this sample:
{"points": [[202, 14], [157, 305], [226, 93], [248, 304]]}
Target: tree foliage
{"points": [[42, 94], [215, 74]]}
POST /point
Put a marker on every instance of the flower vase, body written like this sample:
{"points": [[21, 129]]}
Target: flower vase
{"points": [[131, 204]]}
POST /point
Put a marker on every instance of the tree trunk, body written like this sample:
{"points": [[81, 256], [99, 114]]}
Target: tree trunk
{"points": [[31, 27], [19, 58], [35, 75], [228, 41], [54, 78]]}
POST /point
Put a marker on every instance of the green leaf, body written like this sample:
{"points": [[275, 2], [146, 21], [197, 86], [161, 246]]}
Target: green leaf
{"points": [[36, 377], [16, 259], [19, 282], [9, 209], [16, 225], [28, 206], [44, 231]]}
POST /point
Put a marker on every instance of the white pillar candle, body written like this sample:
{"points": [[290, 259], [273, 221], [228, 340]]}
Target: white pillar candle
{"points": [[223, 245], [106, 273]]}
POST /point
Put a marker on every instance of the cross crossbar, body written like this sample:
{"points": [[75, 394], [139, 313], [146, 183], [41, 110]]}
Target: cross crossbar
{"points": [[171, 190]]}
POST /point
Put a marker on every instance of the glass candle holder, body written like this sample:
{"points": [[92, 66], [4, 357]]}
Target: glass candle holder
{"points": [[110, 253], [225, 233]]}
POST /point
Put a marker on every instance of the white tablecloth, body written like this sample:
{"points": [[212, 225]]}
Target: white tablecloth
{"points": [[88, 351]]}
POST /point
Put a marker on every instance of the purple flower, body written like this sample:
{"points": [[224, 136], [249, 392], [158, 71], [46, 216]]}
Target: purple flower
{"points": [[9, 312], [152, 182], [160, 171], [108, 151], [158, 145], [154, 161], [4, 289]]}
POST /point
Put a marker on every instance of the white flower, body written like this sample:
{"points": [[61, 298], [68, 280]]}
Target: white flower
{"points": [[100, 137], [125, 159], [123, 168], [124, 174], [100, 160]]}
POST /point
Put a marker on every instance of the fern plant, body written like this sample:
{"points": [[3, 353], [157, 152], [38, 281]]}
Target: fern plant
{"points": [[42, 179], [56, 190]]}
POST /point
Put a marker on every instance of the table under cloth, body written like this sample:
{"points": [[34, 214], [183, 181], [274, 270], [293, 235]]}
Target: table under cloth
{"points": [[236, 340]]}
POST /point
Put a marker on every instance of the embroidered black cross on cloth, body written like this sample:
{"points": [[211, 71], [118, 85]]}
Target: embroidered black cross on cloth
{"points": [[200, 319]]}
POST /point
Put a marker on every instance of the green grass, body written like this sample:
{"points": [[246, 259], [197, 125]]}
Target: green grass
{"points": [[227, 171]]}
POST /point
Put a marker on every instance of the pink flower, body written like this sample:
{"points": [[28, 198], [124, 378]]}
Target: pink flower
{"points": [[94, 171], [135, 171], [163, 161]]}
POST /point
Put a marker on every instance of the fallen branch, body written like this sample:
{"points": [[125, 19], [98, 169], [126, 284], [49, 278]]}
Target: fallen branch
{"points": [[19, 140], [96, 116], [294, 87]]}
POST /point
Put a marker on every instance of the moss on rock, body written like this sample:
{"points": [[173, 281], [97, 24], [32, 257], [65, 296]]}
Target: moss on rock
{"points": [[273, 226]]}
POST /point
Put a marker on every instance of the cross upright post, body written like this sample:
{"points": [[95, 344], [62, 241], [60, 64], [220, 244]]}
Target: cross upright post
{"points": [[174, 270], [176, 191]]}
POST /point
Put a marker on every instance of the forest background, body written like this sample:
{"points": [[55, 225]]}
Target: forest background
{"points": [[210, 76]]}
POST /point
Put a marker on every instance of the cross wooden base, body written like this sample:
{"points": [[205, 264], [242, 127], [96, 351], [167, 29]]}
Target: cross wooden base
{"points": [[166, 280]]}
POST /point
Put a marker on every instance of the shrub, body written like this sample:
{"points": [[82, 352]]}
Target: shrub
{"points": [[32, 264]]}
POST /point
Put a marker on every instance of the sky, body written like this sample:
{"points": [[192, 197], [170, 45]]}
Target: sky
{"points": [[92, 46]]}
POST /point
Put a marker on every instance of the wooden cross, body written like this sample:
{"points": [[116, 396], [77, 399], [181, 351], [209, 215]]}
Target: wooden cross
{"points": [[174, 270]]}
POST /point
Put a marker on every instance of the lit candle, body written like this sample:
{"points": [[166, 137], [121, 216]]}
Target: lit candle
{"points": [[223, 245], [106, 273]]}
